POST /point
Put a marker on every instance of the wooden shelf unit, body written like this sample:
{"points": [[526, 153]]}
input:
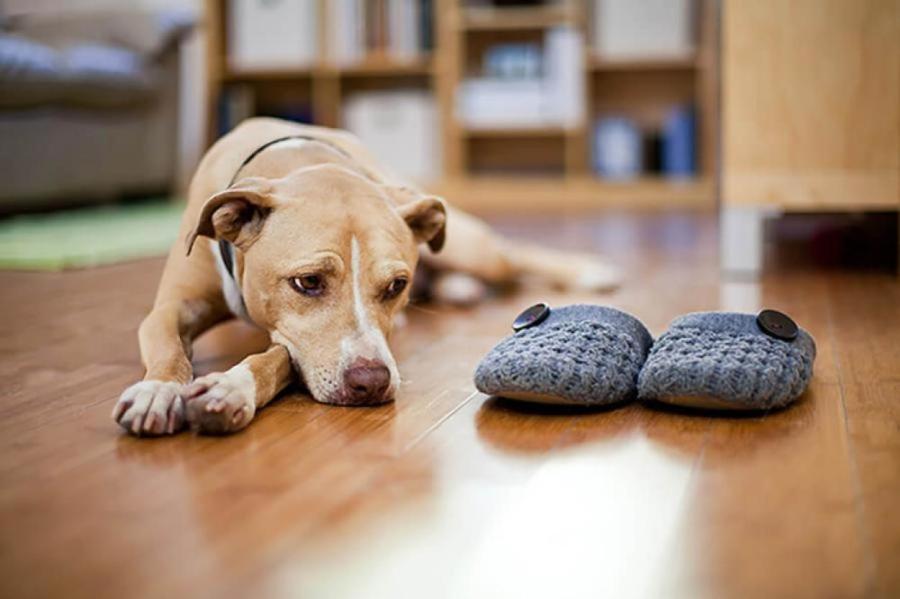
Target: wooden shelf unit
{"points": [[640, 88]]}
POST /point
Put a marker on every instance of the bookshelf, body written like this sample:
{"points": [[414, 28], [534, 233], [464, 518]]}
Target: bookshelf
{"points": [[495, 168]]}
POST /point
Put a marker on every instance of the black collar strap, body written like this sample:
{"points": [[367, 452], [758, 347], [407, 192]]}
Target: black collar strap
{"points": [[268, 144]]}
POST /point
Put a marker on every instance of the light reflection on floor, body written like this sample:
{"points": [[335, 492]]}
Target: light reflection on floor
{"points": [[618, 502]]}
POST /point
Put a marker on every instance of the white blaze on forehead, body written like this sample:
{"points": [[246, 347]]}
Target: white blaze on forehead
{"points": [[369, 341], [358, 308]]}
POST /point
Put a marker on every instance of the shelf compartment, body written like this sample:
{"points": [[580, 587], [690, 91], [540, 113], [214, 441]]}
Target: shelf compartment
{"points": [[529, 155]]}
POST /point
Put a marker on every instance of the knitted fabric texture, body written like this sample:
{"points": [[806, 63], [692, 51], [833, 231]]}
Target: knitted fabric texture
{"points": [[580, 354], [727, 356]]}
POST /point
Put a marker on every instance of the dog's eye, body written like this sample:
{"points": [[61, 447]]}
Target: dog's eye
{"points": [[312, 285], [395, 287]]}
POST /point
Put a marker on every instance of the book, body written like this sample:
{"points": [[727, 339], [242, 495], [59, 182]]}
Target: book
{"points": [[345, 27], [398, 29], [404, 33], [235, 104], [374, 12], [426, 25], [679, 143]]}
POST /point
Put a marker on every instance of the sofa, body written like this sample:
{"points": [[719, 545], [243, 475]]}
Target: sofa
{"points": [[88, 106]]}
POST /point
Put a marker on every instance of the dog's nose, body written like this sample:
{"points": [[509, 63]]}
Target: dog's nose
{"points": [[367, 382]]}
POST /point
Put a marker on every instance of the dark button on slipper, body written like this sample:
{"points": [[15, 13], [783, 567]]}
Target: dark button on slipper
{"points": [[725, 360], [581, 354]]}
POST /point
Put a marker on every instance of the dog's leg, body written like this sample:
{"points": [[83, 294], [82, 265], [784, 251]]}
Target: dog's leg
{"points": [[564, 270], [225, 402], [473, 248], [153, 406], [458, 288]]}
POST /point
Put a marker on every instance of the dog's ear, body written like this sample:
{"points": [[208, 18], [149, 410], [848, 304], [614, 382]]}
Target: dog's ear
{"points": [[427, 217], [236, 214]]}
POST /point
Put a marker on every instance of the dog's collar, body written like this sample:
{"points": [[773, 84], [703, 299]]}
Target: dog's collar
{"points": [[226, 250], [278, 140]]}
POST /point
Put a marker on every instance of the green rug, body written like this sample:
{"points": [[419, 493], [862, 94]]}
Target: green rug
{"points": [[84, 237]]}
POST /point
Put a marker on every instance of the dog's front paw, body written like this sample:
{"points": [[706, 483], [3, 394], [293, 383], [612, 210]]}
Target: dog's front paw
{"points": [[221, 402], [150, 408]]}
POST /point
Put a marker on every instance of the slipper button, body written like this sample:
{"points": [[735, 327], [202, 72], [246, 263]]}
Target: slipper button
{"points": [[534, 315], [778, 325]]}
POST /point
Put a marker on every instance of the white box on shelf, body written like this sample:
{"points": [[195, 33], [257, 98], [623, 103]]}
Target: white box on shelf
{"points": [[272, 34], [635, 29], [564, 77], [404, 37], [485, 102], [400, 128]]}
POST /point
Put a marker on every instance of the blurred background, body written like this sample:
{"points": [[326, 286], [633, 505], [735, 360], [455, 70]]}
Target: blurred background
{"points": [[743, 112]]}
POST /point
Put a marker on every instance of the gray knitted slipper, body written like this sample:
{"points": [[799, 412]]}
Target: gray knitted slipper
{"points": [[721, 360], [582, 355]]}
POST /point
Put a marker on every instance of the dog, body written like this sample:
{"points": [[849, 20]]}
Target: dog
{"points": [[298, 230]]}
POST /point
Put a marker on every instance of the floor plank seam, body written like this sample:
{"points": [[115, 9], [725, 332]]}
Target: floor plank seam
{"points": [[412, 444]]}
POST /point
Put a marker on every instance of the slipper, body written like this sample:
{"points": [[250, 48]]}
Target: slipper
{"points": [[730, 361], [577, 355]]}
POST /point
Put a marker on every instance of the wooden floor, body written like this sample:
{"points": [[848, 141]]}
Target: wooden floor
{"points": [[448, 493]]}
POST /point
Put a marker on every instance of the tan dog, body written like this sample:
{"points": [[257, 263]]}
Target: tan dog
{"points": [[309, 239]]}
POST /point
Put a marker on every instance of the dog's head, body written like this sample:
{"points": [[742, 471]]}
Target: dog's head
{"points": [[328, 261]]}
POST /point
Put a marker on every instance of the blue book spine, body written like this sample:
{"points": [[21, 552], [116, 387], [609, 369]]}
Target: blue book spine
{"points": [[426, 25], [679, 147]]}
